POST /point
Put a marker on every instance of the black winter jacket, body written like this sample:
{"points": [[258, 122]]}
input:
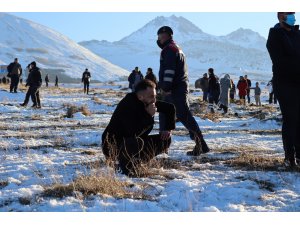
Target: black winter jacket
{"points": [[284, 50], [34, 78], [86, 77], [173, 75], [130, 118]]}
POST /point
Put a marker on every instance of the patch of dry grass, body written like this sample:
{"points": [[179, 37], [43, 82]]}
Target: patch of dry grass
{"points": [[103, 184], [256, 162]]}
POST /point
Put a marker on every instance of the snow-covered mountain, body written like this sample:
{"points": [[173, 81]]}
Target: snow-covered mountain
{"points": [[240, 52], [51, 50], [246, 38]]}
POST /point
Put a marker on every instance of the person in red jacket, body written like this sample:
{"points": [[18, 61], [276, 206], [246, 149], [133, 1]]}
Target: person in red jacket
{"points": [[242, 87]]}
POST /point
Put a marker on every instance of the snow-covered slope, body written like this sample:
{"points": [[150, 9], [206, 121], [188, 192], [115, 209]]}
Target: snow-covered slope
{"points": [[31, 41], [237, 53]]}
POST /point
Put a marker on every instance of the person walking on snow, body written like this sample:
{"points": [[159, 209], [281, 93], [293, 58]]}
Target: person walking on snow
{"points": [[173, 82]]}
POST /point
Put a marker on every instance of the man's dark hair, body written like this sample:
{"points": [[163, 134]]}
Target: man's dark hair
{"points": [[143, 85]]}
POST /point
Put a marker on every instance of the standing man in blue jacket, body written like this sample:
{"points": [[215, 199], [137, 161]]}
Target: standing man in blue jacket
{"points": [[284, 48], [173, 82]]}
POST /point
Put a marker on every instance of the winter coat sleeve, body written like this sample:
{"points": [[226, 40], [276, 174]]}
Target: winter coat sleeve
{"points": [[169, 110], [169, 68], [275, 46], [20, 67], [9, 68]]}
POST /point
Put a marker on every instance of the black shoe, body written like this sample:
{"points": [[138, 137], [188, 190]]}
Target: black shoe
{"points": [[38, 107], [290, 163], [34, 106], [196, 151], [205, 148], [15, 92], [23, 104]]}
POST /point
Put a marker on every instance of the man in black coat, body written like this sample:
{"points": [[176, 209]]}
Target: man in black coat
{"points": [[284, 48], [150, 76], [134, 78], [34, 81], [173, 83], [86, 77], [127, 139], [14, 72]]}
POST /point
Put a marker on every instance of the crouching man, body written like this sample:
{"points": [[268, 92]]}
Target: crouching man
{"points": [[127, 139]]}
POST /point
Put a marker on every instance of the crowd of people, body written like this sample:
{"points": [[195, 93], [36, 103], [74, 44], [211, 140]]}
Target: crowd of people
{"points": [[127, 138]]}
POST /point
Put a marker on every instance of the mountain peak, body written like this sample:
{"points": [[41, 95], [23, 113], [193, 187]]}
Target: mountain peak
{"points": [[183, 29], [246, 38]]}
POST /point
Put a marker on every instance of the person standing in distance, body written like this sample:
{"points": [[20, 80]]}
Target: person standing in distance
{"points": [[173, 82], [86, 77]]}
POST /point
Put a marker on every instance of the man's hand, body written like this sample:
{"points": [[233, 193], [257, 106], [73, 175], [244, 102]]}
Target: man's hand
{"points": [[151, 109], [165, 134]]}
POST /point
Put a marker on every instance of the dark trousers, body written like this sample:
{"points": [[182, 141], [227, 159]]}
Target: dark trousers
{"points": [[14, 83], [271, 96], [34, 93], [183, 114], [205, 96], [213, 97], [248, 95], [131, 152], [46, 84], [86, 87], [289, 102]]}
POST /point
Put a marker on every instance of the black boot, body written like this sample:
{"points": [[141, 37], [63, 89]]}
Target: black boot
{"points": [[225, 109], [196, 151], [200, 147]]}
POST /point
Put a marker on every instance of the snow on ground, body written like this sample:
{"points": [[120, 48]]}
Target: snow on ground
{"points": [[41, 147]]}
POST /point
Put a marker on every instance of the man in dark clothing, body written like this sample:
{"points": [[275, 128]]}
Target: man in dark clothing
{"points": [[173, 82], [204, 86], [283, 45], [127, 139], [248, 88], [213, 90], [271, 93], [56, 81], [150, 76], [86, 77], [34, 81], [47, 80], [232, 91], [134, 78], [14, 72]]}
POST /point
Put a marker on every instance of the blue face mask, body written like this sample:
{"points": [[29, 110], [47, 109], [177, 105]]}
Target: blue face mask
{"points": [[290, 19]]}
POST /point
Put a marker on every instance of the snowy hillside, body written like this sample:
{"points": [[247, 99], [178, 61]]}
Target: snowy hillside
{"points": [[51, 50], [237, 53]]}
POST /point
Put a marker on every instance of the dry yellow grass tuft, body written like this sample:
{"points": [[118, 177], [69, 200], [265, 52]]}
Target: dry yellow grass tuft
{"points": [[103, 184], [256, 162]]}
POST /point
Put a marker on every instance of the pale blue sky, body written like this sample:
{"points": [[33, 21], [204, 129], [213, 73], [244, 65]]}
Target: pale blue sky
{"points": [[113, 26]]}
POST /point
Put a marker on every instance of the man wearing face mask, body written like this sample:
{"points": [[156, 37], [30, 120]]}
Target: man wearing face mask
{"points": [[284, 48], [127, 139], [173, 82]]}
